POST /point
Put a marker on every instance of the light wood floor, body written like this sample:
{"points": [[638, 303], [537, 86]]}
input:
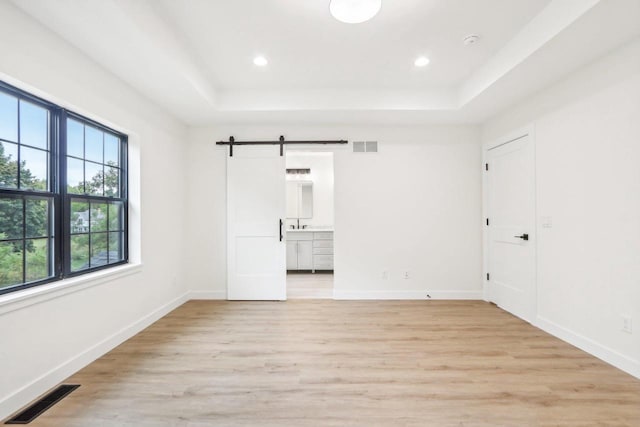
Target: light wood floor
{"points": [[309, 286], [346, 363]]}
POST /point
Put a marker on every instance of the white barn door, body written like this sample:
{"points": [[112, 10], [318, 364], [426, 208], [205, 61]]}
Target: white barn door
{"points": [[256, 208]]}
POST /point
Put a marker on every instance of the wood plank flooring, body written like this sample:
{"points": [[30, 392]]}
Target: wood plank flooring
{"points": [[309, 286], [346, 363]]}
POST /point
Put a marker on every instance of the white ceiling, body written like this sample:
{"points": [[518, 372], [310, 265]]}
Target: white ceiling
{"points": [[309, 49], [194, 57]]}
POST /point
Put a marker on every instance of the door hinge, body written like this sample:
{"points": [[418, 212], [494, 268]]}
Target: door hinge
{"points": [[486, 166], [487, 276], [487, 221]]}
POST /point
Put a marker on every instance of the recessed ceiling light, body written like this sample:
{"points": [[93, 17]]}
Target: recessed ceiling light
{"points": [[421, 61], [354, 11], [260, 61]]}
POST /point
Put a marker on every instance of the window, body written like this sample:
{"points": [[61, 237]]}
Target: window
{"points": [[63, 193]]}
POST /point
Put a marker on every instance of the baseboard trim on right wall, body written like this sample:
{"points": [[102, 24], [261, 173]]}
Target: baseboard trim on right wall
{"points": [[405, 295], [610, 356]]}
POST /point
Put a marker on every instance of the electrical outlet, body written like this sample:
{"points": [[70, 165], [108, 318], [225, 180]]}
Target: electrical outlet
{"points": [[627, 325], [405, 274], [385, 275]]}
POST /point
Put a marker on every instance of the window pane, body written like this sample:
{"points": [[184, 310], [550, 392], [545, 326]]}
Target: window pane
{"points": [[79, 252], [34, 125], [11, 218], [99, 254], [115, 216], [75, 138], [75, 176], [10, 263], [115, 247], [37, 259], [94, 178], [98, 216], [8, 117], [37, 218], [111, 182], [93, 144], [111, 150], [8, 165], [33, 169], [79, 217]]}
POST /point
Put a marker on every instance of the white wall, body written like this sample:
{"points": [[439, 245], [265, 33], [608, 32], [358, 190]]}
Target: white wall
{"points": [[321, 165], [587, 132], [44, 339], [415, 205]]}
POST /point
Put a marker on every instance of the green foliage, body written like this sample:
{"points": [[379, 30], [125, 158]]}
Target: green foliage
{"points": [[94, 185], [14, 216], [10, 264], [33, 214], [8, 169]]}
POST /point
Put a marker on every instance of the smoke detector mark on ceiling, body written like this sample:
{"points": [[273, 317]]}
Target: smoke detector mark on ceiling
{"points": [[471, 39]]}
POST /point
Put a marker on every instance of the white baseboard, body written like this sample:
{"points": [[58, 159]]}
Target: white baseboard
{"points": [[208, 295], [612, 357], [406, 295], [31, 391]]}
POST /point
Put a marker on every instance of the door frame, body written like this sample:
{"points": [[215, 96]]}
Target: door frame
{"points": [[334, 149], [526, 131]]}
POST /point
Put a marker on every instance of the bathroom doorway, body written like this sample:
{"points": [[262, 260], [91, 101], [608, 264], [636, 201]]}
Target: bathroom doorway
{"points": [[309, 224]]}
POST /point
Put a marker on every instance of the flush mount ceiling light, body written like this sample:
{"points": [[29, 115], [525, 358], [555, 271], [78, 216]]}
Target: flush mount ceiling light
{"points": [[354, 11], [260, 61], [421, 61]]}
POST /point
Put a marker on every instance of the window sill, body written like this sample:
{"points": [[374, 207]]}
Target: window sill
{"points": [[36, 295]]}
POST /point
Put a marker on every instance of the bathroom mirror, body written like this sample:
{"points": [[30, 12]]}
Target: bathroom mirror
{"points": [[306, 200], [299, 199]]}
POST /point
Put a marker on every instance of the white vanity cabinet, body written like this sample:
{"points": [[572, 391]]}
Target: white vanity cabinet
{"points": [[309, 250], [299, 251]]}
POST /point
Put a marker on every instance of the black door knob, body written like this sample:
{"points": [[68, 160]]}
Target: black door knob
{"points": [[523, 237]]}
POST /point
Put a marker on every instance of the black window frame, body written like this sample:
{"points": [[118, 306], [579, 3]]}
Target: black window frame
{"points": [[60, 211]]}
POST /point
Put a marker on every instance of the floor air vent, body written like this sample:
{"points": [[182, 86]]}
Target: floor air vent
{"points": [[41, 405]]}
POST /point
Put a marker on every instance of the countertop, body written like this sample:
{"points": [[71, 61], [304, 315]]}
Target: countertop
{"points": [[310, 230]]}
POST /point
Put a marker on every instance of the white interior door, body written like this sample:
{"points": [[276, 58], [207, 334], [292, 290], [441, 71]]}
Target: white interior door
{"points": [[511, 212], [256, 209]]}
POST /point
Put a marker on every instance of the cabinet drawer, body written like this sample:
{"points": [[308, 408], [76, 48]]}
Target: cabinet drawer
{"points": [[323, 243], [322, 259], [299, 235], [323, 251], [323, 266], [323, 236]]}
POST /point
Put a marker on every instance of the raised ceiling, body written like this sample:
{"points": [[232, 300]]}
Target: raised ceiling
{"points": [[194, 57]]}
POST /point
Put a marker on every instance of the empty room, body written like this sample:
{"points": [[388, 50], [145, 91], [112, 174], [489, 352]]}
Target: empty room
{"points": [[320, 213]]}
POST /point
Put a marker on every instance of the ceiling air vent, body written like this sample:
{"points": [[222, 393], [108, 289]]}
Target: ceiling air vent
{"points": [[365, 146]]}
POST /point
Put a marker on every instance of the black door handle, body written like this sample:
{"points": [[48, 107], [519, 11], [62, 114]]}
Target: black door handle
{"points": [[281, 230], [523, 237]]}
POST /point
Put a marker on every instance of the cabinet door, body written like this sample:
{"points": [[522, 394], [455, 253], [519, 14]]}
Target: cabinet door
{"points": [[292, 255], [305, 255]]}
